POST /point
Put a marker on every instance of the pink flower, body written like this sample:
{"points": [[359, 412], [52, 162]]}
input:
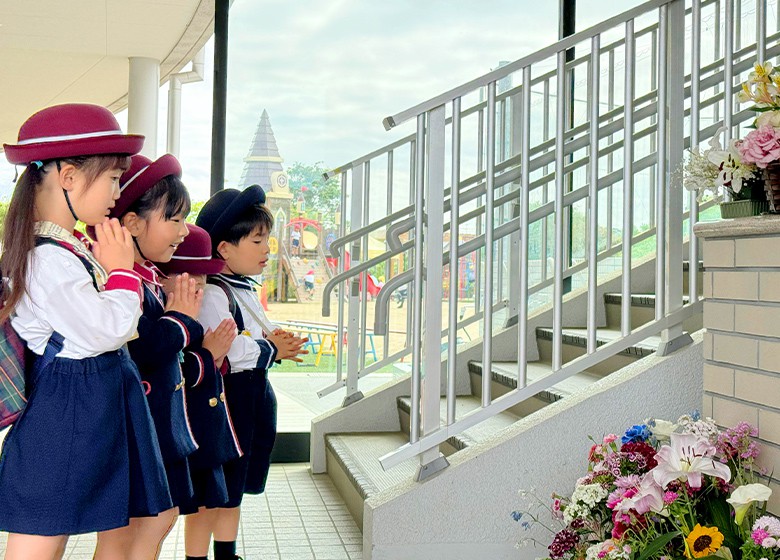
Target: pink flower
{"points": [[670, 497], [648, 497], [761, 146], [759, 535], [609, 438], [687, 458]]}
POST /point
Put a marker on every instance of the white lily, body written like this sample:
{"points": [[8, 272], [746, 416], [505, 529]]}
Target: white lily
{"points": [[688, 457], [742, 498]]}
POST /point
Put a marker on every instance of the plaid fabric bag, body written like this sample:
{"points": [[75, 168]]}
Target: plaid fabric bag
{"points": [[14, 355], [12, 365]]}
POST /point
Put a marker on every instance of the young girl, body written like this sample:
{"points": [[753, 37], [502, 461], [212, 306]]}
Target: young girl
{"points": [[207, 405], [153, 206], [239, 226], [83, 456]]}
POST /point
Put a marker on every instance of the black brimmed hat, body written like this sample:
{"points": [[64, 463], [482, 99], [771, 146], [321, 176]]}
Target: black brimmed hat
{"points": [[225, 208]]}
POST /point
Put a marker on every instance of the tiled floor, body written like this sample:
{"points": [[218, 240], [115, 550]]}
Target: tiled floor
{"points": [[300, 517]]}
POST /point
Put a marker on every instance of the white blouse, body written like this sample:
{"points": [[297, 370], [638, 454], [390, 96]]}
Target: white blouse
{"points": [[248, 346], [61, 297]]}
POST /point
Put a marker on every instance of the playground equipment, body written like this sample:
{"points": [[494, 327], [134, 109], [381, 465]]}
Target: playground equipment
{"points": [[296, 261]]}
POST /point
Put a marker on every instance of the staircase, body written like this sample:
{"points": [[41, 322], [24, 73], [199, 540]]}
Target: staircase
{"points": [[568, 157], [352, 457]]}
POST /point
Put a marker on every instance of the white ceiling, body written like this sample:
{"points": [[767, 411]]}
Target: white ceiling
{"points": [[58, 51]]}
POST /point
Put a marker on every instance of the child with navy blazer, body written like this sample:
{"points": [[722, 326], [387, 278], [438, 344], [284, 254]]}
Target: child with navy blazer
{"points": [[239, 225], [153, 205]]}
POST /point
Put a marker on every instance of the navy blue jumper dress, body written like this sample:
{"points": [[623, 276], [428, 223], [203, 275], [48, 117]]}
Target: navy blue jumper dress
{"points": [[84, 455], [211, 424], [162, 335], [252, 405]]}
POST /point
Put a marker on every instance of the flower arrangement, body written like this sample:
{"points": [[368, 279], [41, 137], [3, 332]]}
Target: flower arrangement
{"points": [[720, 170], [716, 172], [666, 491]]}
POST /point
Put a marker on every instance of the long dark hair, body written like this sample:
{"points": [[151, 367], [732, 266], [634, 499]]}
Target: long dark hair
{"points": [[19, 227]]}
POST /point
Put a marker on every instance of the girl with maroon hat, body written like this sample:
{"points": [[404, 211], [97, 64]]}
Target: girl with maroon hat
{"points": [[84, 455], [207, 405], [153, 205]]}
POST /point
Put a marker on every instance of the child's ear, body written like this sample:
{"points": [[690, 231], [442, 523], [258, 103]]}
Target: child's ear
{"points": [[223, 250], [134, 223], [67, 175]]}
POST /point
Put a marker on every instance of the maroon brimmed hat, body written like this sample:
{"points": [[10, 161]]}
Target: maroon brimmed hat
{"points": [[193, 255], [70, 130], [142, 176]]}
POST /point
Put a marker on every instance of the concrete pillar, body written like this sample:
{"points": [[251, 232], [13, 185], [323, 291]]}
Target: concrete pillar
{"points": [[142, 101]]}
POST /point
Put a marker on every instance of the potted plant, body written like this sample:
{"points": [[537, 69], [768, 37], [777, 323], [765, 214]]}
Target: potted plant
{"points": [[721, 174]]}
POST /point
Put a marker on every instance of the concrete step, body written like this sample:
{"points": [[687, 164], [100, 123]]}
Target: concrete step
{"points": [[354, 468], [642, 311], [504, 379], [575, 344], [463, 405]]}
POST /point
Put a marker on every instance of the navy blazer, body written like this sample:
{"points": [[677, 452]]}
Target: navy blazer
{"points": [[162, 336], [208, 411]]}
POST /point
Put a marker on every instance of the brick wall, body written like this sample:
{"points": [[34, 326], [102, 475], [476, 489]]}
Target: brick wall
{"points": [[742, 341]]}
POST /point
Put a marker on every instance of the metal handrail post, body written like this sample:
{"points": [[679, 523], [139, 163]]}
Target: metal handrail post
{"points": [[515, 147], [432, 461], [673, 337], [354, 315], [417, 291]]}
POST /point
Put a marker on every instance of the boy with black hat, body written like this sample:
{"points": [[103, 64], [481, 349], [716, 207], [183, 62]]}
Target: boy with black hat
{"points": [[239, 225]]}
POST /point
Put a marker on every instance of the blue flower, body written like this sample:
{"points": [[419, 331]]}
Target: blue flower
{"points": [[636, 433], [525, 525], [516, 515]]}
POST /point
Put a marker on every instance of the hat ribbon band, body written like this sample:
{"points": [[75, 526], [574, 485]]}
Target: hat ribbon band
{"points": [[183, 258], [133, 178], [64, 137]]}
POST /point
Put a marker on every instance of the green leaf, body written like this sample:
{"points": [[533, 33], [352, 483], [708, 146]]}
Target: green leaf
{"points": [[657, 544], [721, 518]]}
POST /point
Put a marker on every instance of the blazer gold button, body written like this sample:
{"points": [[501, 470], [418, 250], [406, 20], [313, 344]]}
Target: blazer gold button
{"points": [[180, 385], [222, 396], [213, 402]]}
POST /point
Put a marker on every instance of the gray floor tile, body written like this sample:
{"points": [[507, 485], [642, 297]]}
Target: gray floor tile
{"points": [[300, 517]]}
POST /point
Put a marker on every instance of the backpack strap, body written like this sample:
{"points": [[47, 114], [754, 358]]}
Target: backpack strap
{"points": [[56, 341], [88, 265], [232, 302]]}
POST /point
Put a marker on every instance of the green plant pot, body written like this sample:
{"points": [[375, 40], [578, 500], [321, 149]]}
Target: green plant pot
{"points": [[743, 208]]}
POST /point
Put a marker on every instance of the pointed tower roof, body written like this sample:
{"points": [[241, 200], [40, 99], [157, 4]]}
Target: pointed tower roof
{"points": [[263, 158]]}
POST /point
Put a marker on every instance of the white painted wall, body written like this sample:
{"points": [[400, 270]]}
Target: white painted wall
{"points": [[464, 512]]}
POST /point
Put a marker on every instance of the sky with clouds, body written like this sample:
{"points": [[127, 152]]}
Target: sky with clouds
{"points": [[329, 72]]}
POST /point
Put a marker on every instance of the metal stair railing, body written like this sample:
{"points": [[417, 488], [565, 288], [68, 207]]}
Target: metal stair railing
{"points": [[631, 138], [614, 125]]}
